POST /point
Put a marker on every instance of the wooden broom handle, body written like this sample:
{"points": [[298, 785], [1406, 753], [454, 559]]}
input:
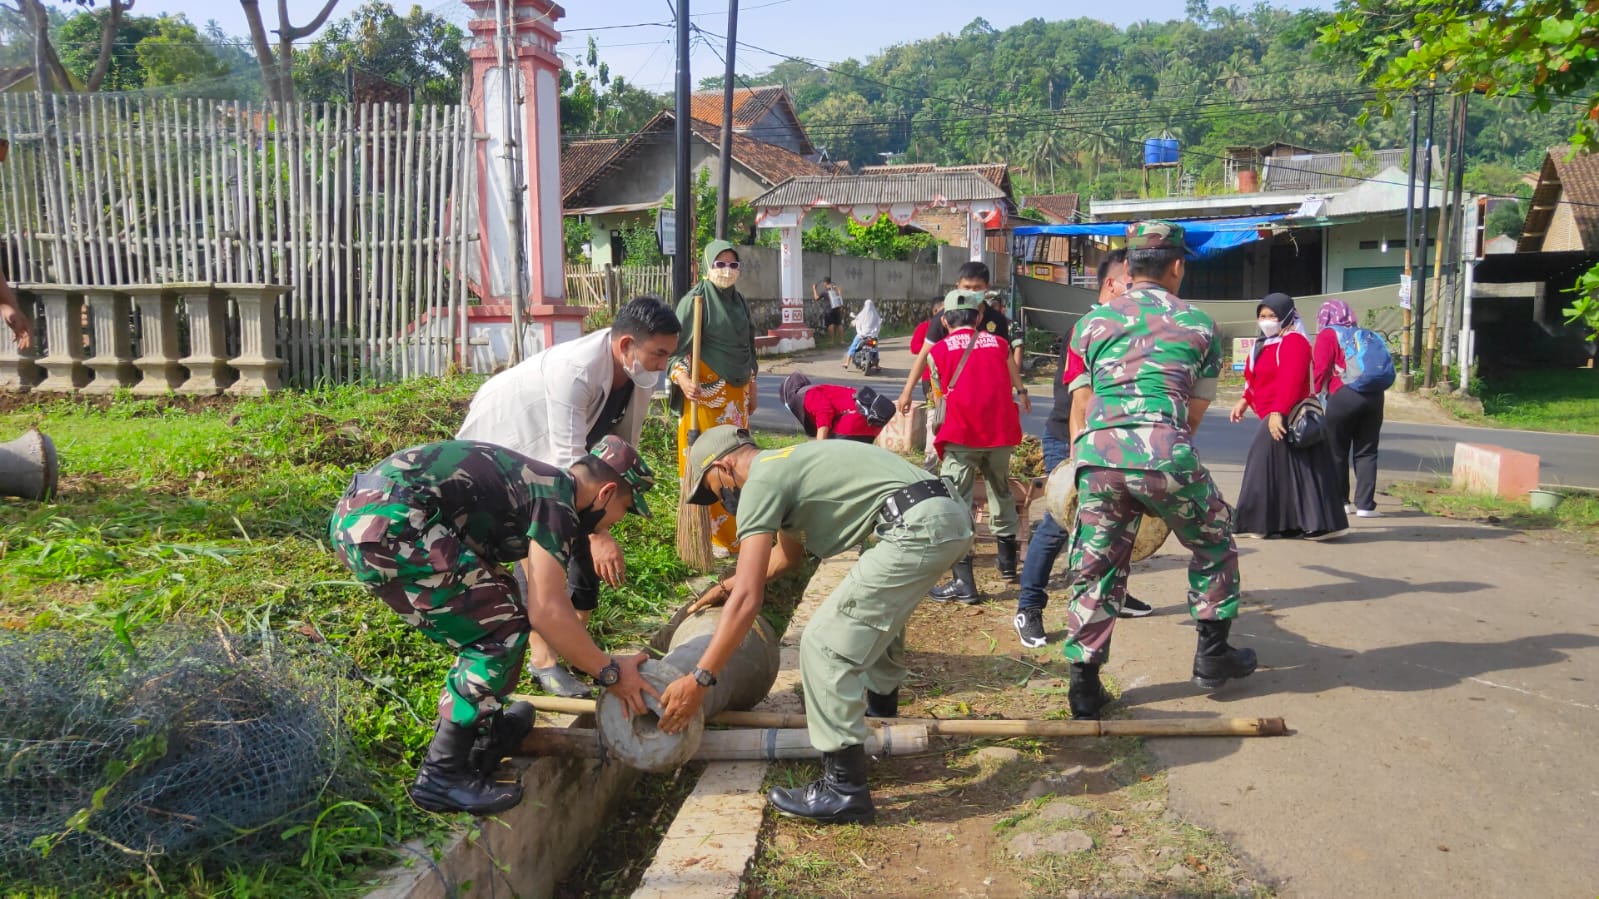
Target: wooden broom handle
{"points": [[694, 363]]}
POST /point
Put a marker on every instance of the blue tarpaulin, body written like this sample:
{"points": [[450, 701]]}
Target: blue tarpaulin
{"points": [[1205, 237]]}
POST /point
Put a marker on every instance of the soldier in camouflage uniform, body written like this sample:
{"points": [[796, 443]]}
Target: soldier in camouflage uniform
{"points": [[1152, 363], [430, 531]]}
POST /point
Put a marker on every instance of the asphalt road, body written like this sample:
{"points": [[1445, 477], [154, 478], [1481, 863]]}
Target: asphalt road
{"points": [[1409, 450]]}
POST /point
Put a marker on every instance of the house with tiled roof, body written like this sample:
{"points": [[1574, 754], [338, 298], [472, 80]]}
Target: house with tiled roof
{"points": [[1563, 213], [1057, 209], [951, 227], [619, 184], [765, 114]]}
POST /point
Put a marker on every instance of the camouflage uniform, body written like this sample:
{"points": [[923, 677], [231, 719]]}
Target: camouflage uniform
{"points": [[1147, 353], [429, 531]]}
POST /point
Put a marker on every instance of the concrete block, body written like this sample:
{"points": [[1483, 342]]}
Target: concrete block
{"points": [[905, 434], [1503, 472]]}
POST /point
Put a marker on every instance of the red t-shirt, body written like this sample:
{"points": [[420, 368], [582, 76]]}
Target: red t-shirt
{"points": [[832, 406], [1328, 359], [918, 338], [980, 412], [1279, 377]]}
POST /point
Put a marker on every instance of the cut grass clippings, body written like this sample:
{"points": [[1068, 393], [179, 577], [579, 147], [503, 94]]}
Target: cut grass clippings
{"points": [[215, 513], [1577, 514]]}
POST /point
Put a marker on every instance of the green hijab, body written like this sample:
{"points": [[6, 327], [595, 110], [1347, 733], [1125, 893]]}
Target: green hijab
{"points": [[728, 344]]}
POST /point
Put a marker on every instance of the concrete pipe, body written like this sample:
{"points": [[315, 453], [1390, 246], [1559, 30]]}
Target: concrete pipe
{"points": [[28, 467], [748, 677]]}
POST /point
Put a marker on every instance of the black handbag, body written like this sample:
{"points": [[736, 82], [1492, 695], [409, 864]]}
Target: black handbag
{"points": [[1307, 421]]}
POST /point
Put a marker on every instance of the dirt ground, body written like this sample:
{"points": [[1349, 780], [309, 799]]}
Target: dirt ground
{"points": [[1016, 817]]}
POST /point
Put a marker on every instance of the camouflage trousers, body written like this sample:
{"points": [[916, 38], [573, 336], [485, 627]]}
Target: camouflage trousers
{"points": [[1110, 501], [406, 556]]}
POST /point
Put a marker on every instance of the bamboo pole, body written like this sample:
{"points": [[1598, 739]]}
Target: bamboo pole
{"points": [[769, 744], [986, 727]]}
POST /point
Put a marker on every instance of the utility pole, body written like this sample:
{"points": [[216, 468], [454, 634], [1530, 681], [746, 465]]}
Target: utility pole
{"points": [[514, 188], [1458, 244], [1410, 240], [1418, 295], [724, 172], [1447, 220], [683, 244]]}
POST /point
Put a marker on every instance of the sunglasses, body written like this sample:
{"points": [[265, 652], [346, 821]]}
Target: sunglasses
{"points": [[720, 264]]}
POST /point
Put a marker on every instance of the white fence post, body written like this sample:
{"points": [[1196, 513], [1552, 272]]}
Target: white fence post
{"points": [[207, 312], [111, 329], [63, 329], [158, 340]]}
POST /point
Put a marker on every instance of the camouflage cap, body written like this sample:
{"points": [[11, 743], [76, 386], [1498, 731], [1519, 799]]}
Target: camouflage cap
{"points": [[707, 448], [956, 300], [623, 459], [1155, 235]]}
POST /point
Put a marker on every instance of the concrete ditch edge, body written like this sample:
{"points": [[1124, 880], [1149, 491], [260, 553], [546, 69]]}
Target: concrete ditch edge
{"points": [[716, 832]]}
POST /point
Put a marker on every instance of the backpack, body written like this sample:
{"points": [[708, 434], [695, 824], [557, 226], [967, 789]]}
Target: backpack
{"points": [[1368, 366], [878, 410]]}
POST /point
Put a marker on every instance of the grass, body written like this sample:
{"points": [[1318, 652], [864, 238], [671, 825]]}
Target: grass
{"points": [[1560, 400], [215, 512], [1577, 514]]}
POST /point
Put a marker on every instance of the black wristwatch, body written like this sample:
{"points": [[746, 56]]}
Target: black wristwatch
{"points": [[704, 678], [609, 675]]}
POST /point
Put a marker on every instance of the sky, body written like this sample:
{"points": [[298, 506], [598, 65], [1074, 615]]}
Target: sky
{"points": [[820, 30]]}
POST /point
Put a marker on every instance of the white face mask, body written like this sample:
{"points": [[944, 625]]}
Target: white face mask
{"points": [[1271, 327], [723, 278], [641, 376]]}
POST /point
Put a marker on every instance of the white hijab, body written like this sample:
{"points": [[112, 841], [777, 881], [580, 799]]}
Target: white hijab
{"points": [[868, 321]]}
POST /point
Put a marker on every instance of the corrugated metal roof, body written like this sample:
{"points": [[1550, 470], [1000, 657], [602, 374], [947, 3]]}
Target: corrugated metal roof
{"points": [[880, 190], [995, 173], [1330, 171]]}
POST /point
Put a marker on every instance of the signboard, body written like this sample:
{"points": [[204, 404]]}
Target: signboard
{"points": [[666, 230], [794, 311], [1404, 291], [1242, 347]]}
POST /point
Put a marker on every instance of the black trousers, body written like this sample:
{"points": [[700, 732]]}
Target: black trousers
{"points": [[1356, 424]]}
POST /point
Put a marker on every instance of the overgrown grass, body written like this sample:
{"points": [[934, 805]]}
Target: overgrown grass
{"points": [[1562, 400], [1577, 514], [216, 513]]}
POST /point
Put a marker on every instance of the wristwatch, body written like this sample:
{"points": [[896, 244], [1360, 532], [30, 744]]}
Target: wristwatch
{"points": [[704, 678], [609, 675]]}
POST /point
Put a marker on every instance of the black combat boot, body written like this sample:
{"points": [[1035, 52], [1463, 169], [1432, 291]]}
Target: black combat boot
{"points": [[1005, 557], [840, 797], [500, 736], [1214, 661], [1086, 695], [882, 705], [962, 587], [446, 784]]}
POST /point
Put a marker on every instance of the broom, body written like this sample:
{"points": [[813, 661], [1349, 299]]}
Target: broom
{"points": [[694, 522]]}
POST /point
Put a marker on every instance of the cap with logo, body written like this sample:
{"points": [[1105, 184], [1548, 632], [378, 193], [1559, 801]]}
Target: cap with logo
{"points": [[712, 445], [957, 300], [623, 459], [1155, 235]]}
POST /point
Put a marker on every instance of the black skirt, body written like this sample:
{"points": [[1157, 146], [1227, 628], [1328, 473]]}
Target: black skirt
{"points": [[1288, 492]]}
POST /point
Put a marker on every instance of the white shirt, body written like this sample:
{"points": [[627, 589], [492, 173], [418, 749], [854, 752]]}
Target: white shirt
{"points": [[834, 298], [544, 406]]}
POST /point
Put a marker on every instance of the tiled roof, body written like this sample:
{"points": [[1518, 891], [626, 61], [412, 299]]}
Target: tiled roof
{"points": [[995, 173], [1059, 208], [581, 159], [1329, 171], [1562, 180], [880, 189], [749, 104]]}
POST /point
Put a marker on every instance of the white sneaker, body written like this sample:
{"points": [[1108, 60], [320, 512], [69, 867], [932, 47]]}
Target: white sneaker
{"points": [[1349, 508], [1368, 513]]}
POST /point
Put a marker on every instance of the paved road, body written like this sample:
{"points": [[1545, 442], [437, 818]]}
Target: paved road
{"points": [[1409, 450]]}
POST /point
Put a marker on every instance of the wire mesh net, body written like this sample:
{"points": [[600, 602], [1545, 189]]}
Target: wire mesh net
{"points": [[185, 747]]}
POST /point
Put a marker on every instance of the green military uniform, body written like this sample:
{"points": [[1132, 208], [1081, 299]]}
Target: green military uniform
{"points": [[830, 496], [1147, 354], [429, 531]]}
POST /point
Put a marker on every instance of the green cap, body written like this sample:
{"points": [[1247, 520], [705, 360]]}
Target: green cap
{"points": [[1155, 235], [712, 445], [623, 459], [963, 299]]}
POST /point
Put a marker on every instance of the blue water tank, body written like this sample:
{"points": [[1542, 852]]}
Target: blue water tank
{"points": [[1160, 151], [1152, 148], [1169, 151]]}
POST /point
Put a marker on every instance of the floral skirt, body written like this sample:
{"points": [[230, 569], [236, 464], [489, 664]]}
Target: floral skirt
{"points": [[723, 404]]}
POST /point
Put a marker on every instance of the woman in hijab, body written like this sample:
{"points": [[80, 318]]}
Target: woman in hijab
{"points": [[868, 323], [723, 390], [1287, 490], [1353, 418]]}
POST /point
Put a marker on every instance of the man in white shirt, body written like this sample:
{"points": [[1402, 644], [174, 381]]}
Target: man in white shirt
{"points": [[555, 406]]}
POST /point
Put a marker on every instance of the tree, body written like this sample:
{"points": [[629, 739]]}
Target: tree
{"points": [[1506, 218], [1545, 49], [593, 102], [51, 74], [419, 50], [177, 54], [79, 41], [277, 67]]}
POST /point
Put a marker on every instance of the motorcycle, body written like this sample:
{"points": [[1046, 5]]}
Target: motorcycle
{"points": [[865, 357]]}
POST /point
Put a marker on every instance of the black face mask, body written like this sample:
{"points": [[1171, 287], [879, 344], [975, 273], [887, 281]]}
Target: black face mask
{"points": [[729, 497], [588, 519]]}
